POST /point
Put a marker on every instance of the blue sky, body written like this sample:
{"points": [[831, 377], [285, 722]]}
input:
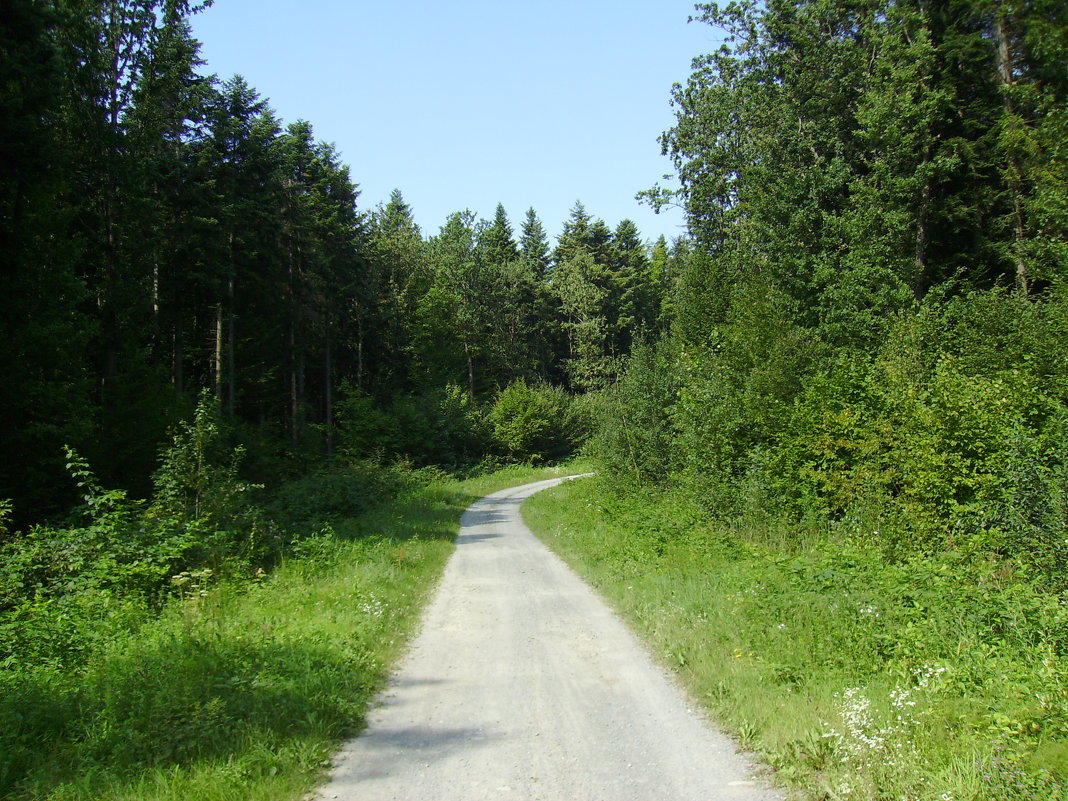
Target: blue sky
{"points": [[466, 104]]}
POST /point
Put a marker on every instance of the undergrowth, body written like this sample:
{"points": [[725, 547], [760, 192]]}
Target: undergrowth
{"points": [[853, 675], [232, 684]]}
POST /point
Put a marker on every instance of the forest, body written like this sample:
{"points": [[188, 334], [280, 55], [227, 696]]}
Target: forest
{"points": [[211, 350], [166, 233]]}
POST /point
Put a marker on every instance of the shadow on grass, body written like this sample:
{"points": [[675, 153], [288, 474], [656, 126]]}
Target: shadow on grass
{"points": [[176, 700], [414, 519], [175, 697]]}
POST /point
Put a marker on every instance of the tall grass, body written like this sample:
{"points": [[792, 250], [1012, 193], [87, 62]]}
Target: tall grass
{"points": [[240, 690], [851, 675]]}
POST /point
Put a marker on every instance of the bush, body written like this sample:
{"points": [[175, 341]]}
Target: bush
{"points": [[939, 441], [198, 475], [365, 430], [950, 436], [535, 423], [634, 436], [334, 491], [67, 590], [442, 427]]}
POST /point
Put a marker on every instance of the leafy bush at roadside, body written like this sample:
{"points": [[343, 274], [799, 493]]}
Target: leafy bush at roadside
{"points": [[535, 423], [952, 435], [441, 428], [67, 591], [334, 490], [928, 677]]}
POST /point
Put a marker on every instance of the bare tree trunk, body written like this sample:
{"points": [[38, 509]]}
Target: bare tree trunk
{"points": [[328, 390], [919, 285], [359, 353], [178, 374], [1005, 68], [231, 361], [302, 377], [294, 402], [218, 350], [470, 370], [106, 300], [294, 396], [294, 367]]}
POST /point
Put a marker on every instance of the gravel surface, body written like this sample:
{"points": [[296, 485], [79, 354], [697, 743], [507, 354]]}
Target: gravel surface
{"points": [[524, 685]]}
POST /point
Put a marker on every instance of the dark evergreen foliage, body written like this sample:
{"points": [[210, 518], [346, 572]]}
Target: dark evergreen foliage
{"points": [[858, 327], [164, 233]]}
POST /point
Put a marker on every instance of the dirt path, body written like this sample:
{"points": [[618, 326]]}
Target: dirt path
{"points": [[523, 685]]}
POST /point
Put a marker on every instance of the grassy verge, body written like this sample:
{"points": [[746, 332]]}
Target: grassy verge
{"points": [[240, 691], [853, 676]]}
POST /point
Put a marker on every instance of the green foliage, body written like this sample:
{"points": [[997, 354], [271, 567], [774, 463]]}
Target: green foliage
{"points": [[239, 688], [365, 430], [66, 592], [578, 284], [534, 423], [333, 492], [442, 427], [634, 435], [950, 436], [197, 478], [933, 676]]}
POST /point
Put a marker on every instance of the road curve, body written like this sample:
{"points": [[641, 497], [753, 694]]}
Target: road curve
{"points": [[523, 685]]}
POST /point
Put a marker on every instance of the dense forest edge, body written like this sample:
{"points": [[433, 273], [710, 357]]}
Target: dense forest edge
{"points": [[835, 492], [852, 370]]}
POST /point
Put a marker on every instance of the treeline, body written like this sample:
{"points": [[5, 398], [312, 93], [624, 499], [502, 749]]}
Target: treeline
{"points": [[215, 362], [163, 232], [870, 339]]}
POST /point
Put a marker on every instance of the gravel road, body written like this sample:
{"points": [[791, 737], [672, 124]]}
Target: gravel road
{"points": [[524, 685]]}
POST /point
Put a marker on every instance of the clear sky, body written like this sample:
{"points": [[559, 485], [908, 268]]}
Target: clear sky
{"points": [[468, 103]]}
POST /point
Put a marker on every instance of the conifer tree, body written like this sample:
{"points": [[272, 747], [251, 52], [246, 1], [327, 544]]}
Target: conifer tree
{"points": [[400, 275], [496, 240], [533, 243]]}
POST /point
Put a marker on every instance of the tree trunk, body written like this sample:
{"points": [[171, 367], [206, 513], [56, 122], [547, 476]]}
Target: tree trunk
{"points": [[218, 359], [919, 285], [294, 403], [470, 370], [178, 374], [294, 389], [359, 353], [328, 391], [231, 362], [1005, 69]]}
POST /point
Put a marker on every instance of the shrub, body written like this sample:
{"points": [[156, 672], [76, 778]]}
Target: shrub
{"points": [[364, 429], [534, 422], [197, 476], [336, 490], [634, 436], [441, 427]]}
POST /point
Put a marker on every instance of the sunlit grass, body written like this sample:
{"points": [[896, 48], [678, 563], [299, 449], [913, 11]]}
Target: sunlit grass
{"points": [[245, 692], [850, 677]]}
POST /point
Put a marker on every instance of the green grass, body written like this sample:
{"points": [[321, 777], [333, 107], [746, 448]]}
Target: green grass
{"points": [[850, 675], [240, 691]]}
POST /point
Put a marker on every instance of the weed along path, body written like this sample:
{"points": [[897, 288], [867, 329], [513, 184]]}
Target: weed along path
{"points": [[523, 685]]}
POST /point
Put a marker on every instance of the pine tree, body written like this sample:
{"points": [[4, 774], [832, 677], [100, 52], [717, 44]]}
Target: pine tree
{"points": [[533, 243], [401, 276], [452, 321], [496, 240]]}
